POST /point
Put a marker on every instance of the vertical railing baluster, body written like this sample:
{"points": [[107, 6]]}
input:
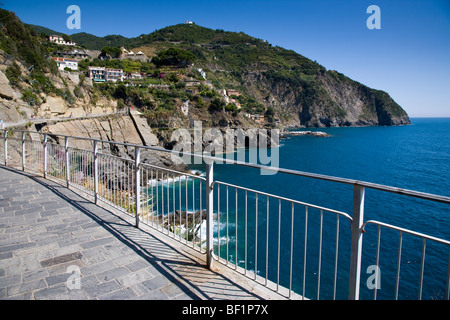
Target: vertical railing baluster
{"points": [[96, 171], [291, 256], [227, 226], [137, 179], [256, 235], [186, 211], [304, 253], [279, 244], [209, 213], [45, 146], [193, 212], [66, 151], [447, 295], [356, 243], [336, 256], [236, 228], [422, 266], [267, 240], [173, 205], [377, 262], [168, 202], [320, 255], [399, 259], [218, 220], [5, 146], [245, 235], [23, 151], [179, 202]]}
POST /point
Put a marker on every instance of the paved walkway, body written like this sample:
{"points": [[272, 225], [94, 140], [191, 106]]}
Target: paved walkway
{"points": [[56, 244]]}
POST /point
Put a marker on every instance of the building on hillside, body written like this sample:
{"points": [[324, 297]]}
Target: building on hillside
{"points": [[97, 74], [257, 117], [140, 56], [190, 82], [232, 92], [74, 54], [135, 76], [60, 40], [102, 74], [114, 75], [66, 63]]}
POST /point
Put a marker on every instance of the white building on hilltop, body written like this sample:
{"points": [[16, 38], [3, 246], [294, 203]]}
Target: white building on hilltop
{"points": [[60, 40]]}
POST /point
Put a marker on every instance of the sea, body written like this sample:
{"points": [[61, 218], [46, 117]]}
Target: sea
{"points": [[415, 157]]}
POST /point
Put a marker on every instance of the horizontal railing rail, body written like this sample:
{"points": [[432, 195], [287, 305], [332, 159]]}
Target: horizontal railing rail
{"points": [[424, 238], [266, 237]]}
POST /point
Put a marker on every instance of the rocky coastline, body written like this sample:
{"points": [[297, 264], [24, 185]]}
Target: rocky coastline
{"points": [[320, 134]]}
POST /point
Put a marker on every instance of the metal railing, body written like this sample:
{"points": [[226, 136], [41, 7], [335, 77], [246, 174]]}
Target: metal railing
{"points": [[271, 239]]}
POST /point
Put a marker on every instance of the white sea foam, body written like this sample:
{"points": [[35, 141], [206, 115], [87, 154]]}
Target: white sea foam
{"points": [[168, 180]]}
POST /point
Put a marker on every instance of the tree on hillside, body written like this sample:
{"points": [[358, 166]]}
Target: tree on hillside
{"points": [[67, 38], [112, 52], [174, 57]]}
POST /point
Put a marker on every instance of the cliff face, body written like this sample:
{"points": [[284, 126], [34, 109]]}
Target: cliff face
{"points": [[327, 99], [117, 129]]}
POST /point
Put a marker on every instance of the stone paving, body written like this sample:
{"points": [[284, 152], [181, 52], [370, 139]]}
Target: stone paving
{"points": [[56, 244]]}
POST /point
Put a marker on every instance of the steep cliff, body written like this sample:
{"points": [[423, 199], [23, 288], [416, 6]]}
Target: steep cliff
{"points": [[328, 99]]}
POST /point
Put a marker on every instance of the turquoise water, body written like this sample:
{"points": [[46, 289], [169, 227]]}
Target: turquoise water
{"points": [[414, 157]]}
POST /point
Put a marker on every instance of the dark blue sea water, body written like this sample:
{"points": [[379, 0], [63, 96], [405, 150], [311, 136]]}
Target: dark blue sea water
{"points": [[414, 157]]}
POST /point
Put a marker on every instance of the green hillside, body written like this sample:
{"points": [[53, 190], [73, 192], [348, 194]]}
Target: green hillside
{"points": [[270, 79]]}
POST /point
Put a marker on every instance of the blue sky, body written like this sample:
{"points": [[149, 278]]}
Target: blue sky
{"points": [[409, 57]]}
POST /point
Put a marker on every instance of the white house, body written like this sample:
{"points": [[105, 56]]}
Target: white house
{"points": [[97, 74], [103, 74], [114, 75], [66, 63], [60, 40]]}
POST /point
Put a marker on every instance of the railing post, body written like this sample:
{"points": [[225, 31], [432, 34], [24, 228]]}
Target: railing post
{"points": [[45, 156], [23, 151], [96, 171], [356, 245], [5, 144], [67, 161], [137, 179], [209, 214]]}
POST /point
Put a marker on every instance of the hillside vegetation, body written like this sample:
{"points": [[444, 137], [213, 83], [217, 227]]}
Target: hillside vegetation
{"points": [[286, 87], [298, 90]]}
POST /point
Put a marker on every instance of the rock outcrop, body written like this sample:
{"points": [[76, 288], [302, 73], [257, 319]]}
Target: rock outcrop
{"points": [[6, 91], [328, 99], [116, 129]]}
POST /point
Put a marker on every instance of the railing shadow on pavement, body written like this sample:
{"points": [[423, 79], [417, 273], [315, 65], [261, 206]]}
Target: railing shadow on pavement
{"points": [[181, 267]]}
